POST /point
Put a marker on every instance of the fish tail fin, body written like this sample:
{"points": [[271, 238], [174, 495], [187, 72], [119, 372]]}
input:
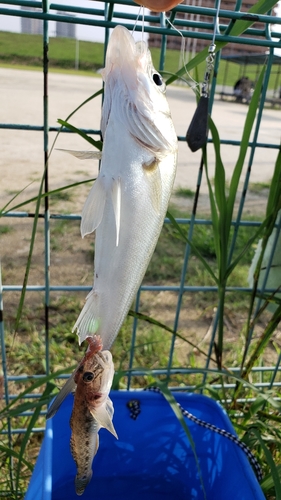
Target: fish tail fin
{"points": [[81, 482], [88, 321]]}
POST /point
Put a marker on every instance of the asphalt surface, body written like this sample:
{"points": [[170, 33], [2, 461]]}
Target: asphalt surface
{"points": [[22, 157]]}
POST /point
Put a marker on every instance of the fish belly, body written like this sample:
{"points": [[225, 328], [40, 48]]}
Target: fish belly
{"points": [[119, 270], [84, 445]]}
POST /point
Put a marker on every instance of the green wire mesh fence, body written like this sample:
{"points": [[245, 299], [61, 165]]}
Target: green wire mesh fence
{"points": [[182, 298]]}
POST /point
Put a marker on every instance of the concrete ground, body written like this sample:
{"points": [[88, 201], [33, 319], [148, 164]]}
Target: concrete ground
{"points": [[22, 159]]}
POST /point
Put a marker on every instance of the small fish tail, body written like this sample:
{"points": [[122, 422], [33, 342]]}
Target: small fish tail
{"points": [[81, 482]]}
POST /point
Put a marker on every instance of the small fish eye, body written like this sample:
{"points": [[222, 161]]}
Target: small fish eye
{"points": [[157, 79], [88, 376]]}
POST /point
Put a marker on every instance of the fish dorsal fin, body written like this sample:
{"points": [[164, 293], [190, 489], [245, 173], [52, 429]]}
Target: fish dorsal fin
{"points": [[83, 155], [94, 207], [103, 416], [66, 389], [116, 201], [154, 183]]}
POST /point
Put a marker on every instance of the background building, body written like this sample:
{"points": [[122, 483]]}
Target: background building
{"points": [[30, 25], [193, 44]]}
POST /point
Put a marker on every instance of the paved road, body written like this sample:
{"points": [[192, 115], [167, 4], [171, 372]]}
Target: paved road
{"points": [[21, 159]]}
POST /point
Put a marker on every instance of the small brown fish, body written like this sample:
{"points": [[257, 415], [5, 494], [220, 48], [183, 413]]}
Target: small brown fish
{"points": [[92, 407]]}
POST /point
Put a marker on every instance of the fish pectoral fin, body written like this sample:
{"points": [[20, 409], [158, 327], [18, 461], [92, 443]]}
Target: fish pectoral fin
{"points": [[93, 209], [103, 418], [83, 155], [116, 202], [154, 182], [66, 389]]}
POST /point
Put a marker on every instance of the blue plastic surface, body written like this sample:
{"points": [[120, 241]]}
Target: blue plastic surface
{"points": [[152, 459]]}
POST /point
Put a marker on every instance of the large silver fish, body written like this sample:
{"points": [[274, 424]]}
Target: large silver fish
{"points": [[92, 408], [128, 201]]}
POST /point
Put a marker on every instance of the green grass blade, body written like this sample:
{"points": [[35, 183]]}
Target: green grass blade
{"points": [[214, 213], [265, 338], [66, 124], [28, 432], [153, 321], [3, 210], [174, 406], [268, 482], [249, 122], [9, 452], [274, 195], [30, 253], [49, 193], [247, 247], [223, 225], [219, 180], [96, 94], [275, 472], [35, 385], [197, 253]]}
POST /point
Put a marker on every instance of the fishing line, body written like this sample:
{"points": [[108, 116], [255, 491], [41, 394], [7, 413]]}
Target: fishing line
{"points": [[194, 85], [141, 10], [197, 133], [134, 407]]}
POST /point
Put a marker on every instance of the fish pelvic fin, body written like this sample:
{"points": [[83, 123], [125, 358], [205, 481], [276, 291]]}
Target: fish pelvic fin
{"points": [[81, 482], [93, 209], [103, 415], [88, 321]]}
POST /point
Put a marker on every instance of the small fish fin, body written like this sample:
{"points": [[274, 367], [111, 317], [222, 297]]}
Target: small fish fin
{"points": [[154, 183], [103, 416], [144, 130], [66, 389], [88, 321], [116, 201], [83, 155], [94, 207]]}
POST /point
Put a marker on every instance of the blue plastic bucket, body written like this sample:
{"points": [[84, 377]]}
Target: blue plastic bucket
{"points": [[152, 459]]}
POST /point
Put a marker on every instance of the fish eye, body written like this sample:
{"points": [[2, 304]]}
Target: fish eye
{"points": [[88, 376], [157, 79]]}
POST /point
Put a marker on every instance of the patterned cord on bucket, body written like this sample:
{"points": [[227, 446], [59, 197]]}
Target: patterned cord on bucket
{"points": [[211, 427]]}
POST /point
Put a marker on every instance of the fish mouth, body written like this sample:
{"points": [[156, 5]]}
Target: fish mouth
{"points": [[123, 54]]}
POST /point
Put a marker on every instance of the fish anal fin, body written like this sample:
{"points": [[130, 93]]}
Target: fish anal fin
{"points": [[103, 418], [152, 173], [116, 202], [94, 207]]}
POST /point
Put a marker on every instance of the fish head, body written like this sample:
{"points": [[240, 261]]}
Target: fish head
{"points": [[94, 378], [135, 92]]}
